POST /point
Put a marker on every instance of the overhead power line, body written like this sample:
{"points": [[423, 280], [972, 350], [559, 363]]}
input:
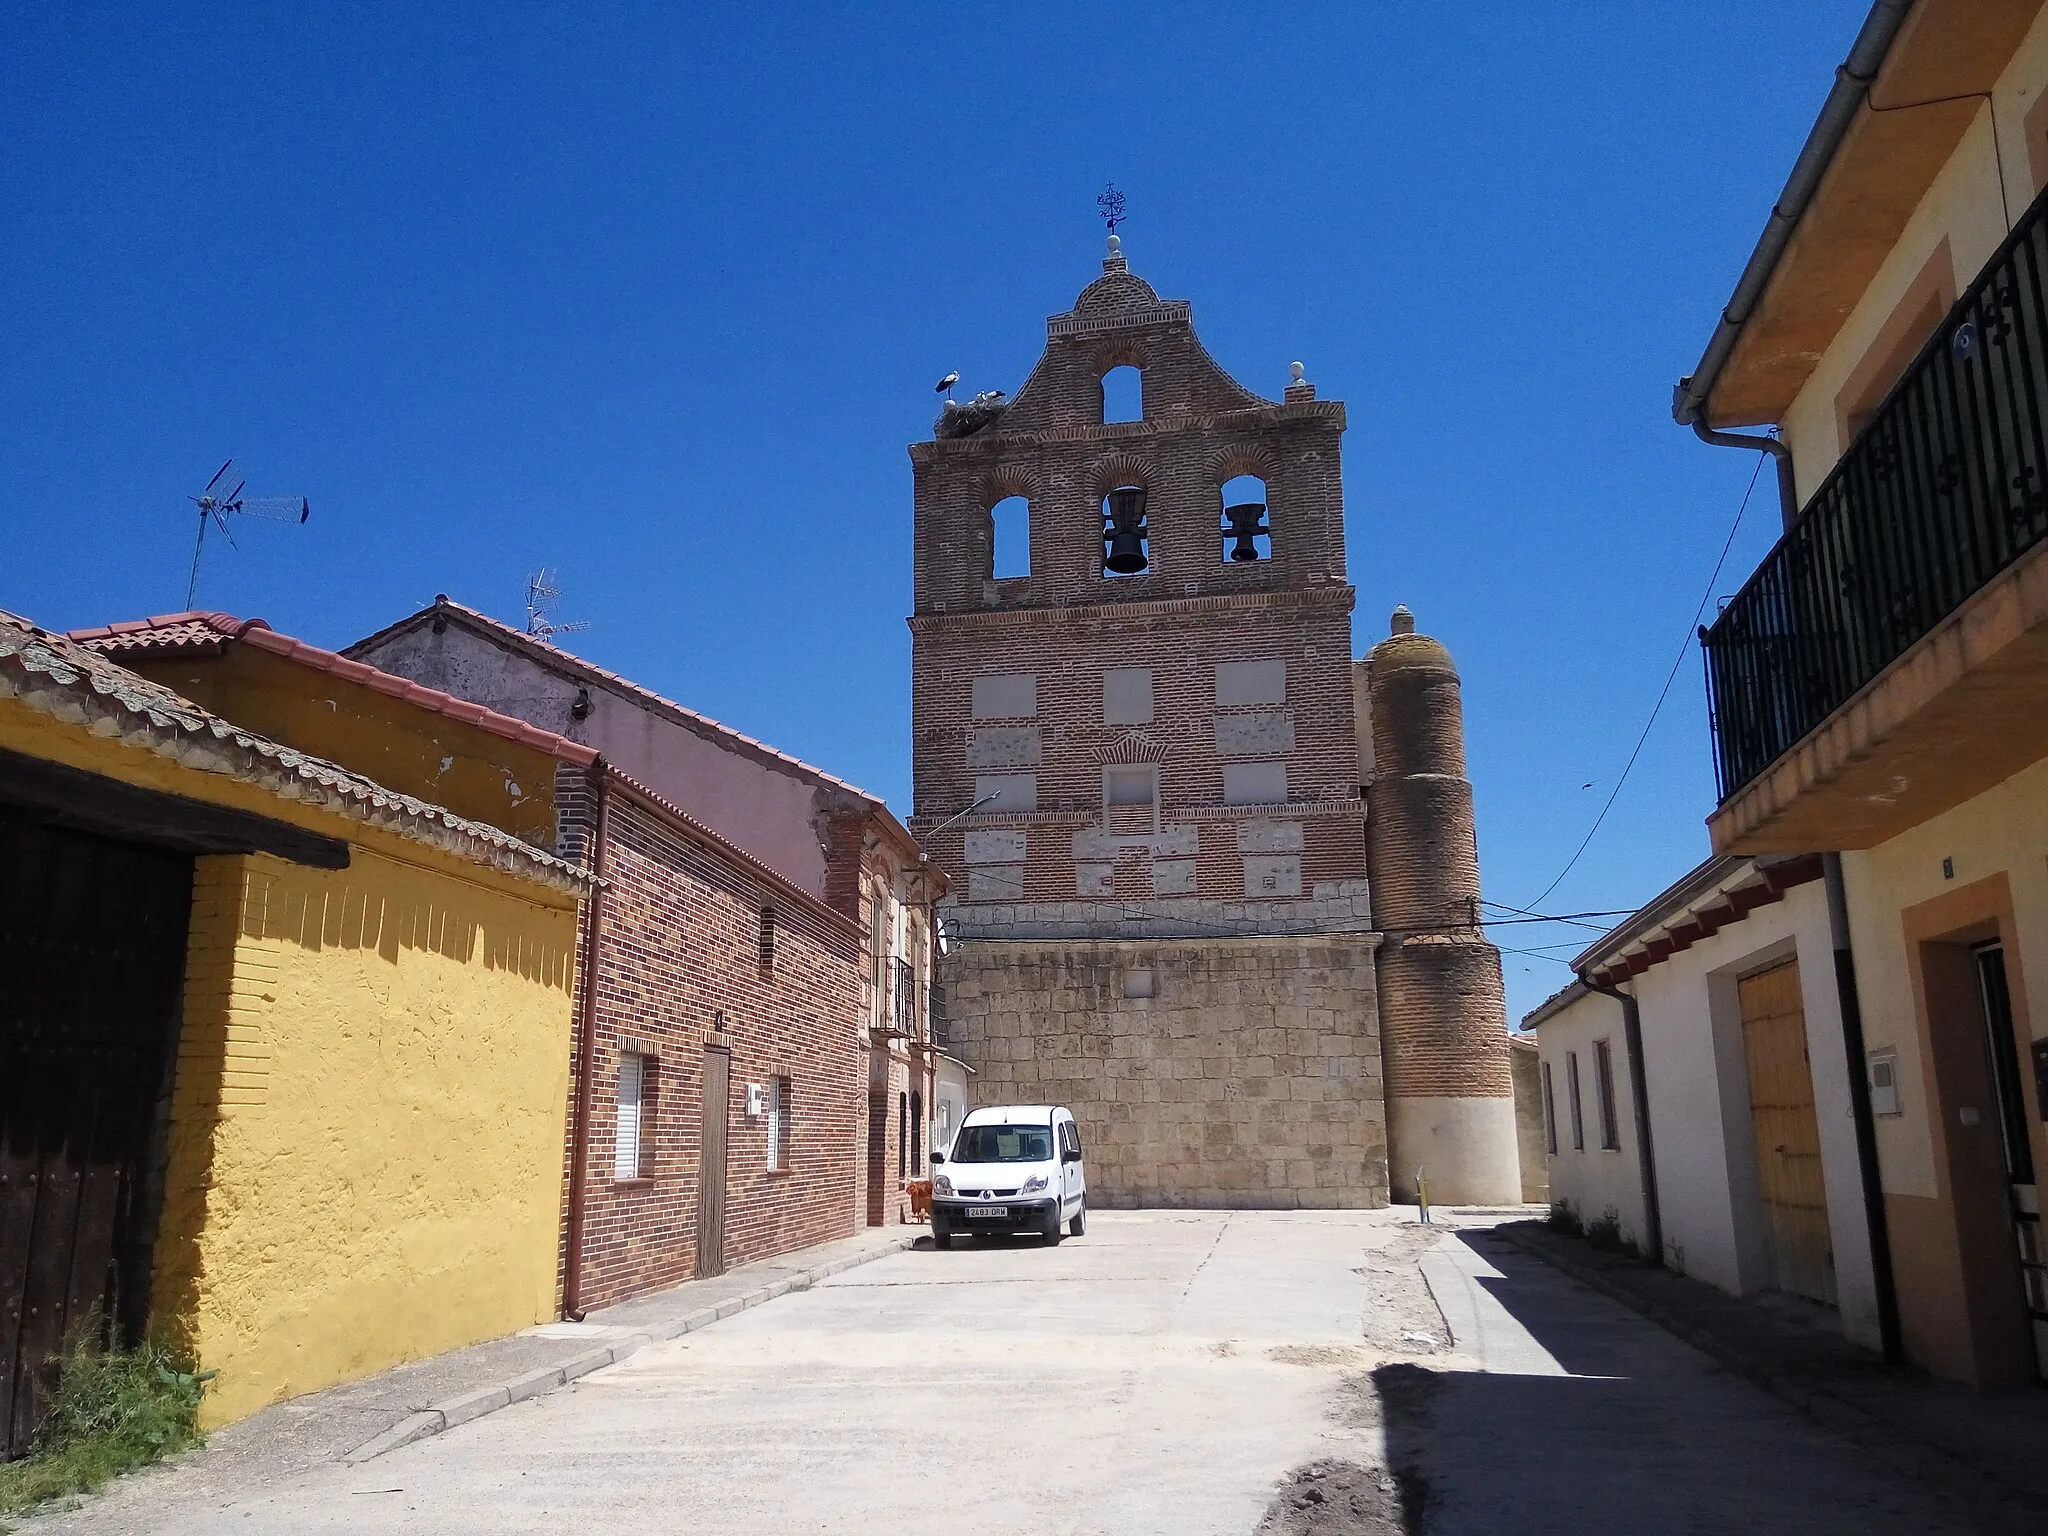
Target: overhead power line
{"points": [[1691, 633]]}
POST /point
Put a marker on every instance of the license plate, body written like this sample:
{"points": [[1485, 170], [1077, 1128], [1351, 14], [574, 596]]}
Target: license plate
{"points": [[975, 1212]]}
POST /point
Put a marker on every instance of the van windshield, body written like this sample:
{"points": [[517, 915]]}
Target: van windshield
{"points": [[1004, 1144]]}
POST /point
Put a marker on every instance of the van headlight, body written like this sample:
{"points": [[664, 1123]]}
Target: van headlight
{"points": [[941, 1185], [1035, 1183]]}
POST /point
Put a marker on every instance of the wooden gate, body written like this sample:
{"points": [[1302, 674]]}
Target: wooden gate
{"points": [[92, 955], [1787, 1132], [711, 1167]]}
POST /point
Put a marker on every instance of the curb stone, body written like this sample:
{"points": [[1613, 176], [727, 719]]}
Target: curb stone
{"points": [[477, 1403], [1861, 1428]]}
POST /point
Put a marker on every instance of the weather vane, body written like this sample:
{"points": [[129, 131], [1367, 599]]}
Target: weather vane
{"points": [[1111, 206]]}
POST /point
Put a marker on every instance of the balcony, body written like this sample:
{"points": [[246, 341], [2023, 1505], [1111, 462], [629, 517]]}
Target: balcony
{"points": [[1889, 658], [905, 991]]}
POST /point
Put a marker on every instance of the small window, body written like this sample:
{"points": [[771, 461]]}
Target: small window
{"points": [[1254, 783], [1123, 395], [1126, 536], [1130, 798], [778, 1123], [767, 956], [1549, 1113], [1247, 526], [1010, 540], [633, 1153], [1571, 1072], [1127, 696], [1603, 1085]]}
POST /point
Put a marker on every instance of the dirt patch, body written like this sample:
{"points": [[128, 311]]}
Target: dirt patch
{"points": [[1315, 1354], [1343, 1498], [1401, 1317]]}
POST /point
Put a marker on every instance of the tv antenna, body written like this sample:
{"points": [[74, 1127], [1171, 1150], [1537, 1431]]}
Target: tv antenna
{"points": [[541, 593], [223, 499]]}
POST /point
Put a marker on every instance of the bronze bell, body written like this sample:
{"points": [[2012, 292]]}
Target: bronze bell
{"points": [[1124, 531], [1247, 522]]}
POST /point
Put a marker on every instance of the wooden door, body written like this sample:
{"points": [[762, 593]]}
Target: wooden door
{"points": [[1787, 1132], [92, 956], [711, 1167]]}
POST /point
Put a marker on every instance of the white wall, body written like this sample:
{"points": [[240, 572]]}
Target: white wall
{"points": [[1595, 1180], [1699, 1107]]}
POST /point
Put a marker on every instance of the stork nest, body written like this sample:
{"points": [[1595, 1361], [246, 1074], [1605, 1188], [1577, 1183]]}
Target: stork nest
{"points": [[958, 420]]}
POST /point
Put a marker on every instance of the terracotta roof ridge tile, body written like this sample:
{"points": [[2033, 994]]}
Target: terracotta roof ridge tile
{"points": [[93, 689]]}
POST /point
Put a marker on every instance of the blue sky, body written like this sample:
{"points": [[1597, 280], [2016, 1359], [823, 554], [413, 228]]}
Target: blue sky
{"points": [[657, 295]]}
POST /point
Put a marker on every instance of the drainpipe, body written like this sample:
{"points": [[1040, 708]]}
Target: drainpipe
{"points": [[1788, 487], [586, 1044], [1639, 1090], [1847, 1001], [1874, 1218]]}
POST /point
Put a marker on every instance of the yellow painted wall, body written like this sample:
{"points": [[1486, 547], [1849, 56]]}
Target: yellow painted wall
{"points": [[366, 1139], [1963, 206], [2003, 831], [366, 1151], [473, 772]]}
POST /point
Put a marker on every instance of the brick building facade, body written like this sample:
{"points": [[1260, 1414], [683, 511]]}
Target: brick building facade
{"points": [[709, 972], [1163, 915], [1160, 893], [848, 865]]}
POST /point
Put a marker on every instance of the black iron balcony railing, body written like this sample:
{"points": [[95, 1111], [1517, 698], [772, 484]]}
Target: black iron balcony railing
{"points": [[906, 1000], [1944, 488]]}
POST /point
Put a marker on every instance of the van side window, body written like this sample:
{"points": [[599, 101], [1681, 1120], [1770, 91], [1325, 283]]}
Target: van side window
{"points": [[1070, 1140]]}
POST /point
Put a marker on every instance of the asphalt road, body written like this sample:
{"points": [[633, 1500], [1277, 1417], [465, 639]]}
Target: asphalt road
{"points": [[1167, 1373]]}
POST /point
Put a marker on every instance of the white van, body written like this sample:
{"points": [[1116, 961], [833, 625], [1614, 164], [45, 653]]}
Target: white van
{"points": [[1011, 1168]]}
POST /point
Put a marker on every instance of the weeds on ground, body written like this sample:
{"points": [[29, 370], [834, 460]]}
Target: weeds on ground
{"points": [[114, 1410], [1564, 1219], [1605, 1234]]}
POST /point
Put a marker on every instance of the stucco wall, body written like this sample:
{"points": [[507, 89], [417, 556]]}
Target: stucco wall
{"points": [[767, 810], [1963, 207], [1529, 1133], [1251, 1077], [1710, 1201], [365, 1156], [2001, 832], [1593, 1181]]}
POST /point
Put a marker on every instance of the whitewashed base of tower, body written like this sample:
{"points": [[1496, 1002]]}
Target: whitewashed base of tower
{"points": [[1466, 1148]]}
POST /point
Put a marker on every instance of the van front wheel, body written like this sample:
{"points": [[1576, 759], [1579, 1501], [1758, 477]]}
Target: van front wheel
{"points": [[1078, 1227], [1052, 1226]]}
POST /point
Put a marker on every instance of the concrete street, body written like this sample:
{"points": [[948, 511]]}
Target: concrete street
{"points": [[1166, 1373]]}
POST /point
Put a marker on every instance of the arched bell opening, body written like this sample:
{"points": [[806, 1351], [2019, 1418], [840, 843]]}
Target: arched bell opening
{"points": [[1247, 524], [1126, 537]]}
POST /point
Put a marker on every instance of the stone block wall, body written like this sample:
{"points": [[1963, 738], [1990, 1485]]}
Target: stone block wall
{"points": [[1250, 1077]]}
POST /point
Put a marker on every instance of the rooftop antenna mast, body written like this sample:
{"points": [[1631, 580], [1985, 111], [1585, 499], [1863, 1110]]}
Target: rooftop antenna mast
{"points": [[541, 593], [223, 499]]}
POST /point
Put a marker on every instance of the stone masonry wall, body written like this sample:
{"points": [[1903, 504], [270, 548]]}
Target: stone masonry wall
{"points": [[1249, 1078]]}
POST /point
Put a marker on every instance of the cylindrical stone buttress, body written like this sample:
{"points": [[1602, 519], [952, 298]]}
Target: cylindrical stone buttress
{"points": [[1443, 1014]]}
